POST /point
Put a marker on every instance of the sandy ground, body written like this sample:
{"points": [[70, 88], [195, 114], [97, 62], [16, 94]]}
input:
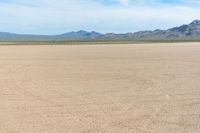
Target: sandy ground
{"points": [[145, 88]]}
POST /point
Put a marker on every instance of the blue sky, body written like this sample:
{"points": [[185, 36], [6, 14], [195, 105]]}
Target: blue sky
{"points": [[120, 16]]}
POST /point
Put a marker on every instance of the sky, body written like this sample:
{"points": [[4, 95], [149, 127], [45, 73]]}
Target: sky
{"points": [[105, 16]]}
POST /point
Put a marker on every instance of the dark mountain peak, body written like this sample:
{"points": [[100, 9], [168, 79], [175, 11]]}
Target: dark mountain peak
{"points": [[181, 28], [82, 32], [110, 33], [94, 32], [195, 22]]}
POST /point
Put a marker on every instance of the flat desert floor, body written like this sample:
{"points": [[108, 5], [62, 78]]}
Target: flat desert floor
{"points": [[136, 88]]}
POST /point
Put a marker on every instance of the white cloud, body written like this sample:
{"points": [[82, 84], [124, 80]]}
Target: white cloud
{"points": [[51, 16], [124, 2]]}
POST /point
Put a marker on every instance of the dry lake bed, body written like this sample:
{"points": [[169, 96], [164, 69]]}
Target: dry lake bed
{"points": [[132, 88]]}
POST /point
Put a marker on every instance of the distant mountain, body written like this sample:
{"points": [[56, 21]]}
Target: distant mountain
{"points": [[79, 35], [6, 36], [189, 31]]}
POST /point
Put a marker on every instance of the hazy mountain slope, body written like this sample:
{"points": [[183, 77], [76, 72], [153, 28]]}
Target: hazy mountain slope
{"points": [[190, 31], [79, 35]]}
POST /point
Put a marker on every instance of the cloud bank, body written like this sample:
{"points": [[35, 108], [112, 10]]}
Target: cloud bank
{"points": [[58, 16]]}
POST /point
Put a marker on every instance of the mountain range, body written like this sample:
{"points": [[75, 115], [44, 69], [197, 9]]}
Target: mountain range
{"points": [[188, 31]]}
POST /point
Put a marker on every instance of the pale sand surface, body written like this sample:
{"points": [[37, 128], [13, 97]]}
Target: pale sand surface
{"points": [[144, 88]]}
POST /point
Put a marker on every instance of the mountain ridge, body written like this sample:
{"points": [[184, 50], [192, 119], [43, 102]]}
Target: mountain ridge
{"points": [[186, 31]]}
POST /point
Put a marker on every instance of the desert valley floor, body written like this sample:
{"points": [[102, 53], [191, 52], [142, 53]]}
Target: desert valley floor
{"points": [[132, 88]]}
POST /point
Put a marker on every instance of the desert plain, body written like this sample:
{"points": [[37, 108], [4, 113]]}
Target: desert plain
{"points": [[131, 88]]}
